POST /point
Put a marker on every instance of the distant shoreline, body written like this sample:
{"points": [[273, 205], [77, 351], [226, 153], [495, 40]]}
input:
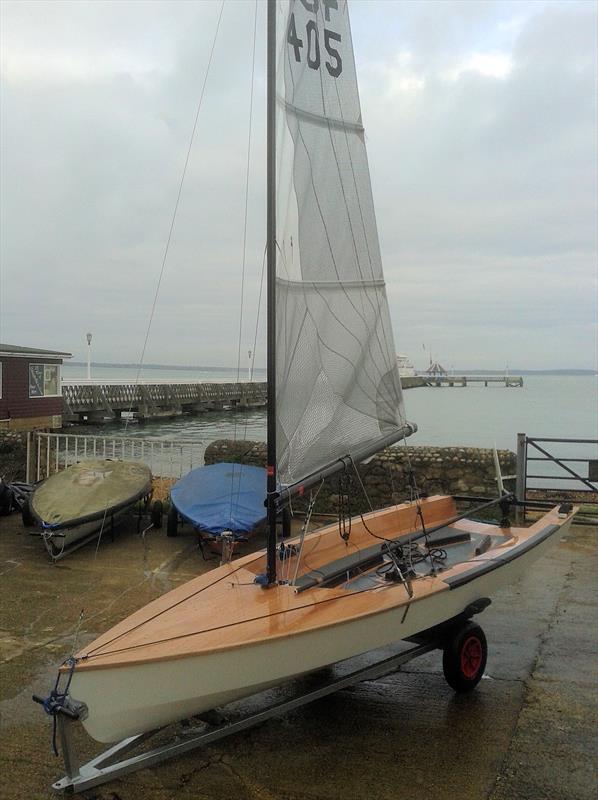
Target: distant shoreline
{"points": [[160, 366], [455, 371]]}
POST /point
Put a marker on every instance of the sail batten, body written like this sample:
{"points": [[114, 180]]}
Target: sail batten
{"points": [[338, 388], [365, 283], [320, 119]]}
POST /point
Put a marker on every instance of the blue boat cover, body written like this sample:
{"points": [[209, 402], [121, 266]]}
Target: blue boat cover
{"points": [[222, 497]]}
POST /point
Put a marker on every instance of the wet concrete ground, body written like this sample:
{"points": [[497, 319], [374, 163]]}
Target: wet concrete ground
{"points": [[528, 731]]}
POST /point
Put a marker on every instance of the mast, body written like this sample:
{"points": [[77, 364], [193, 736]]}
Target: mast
{"points": [[271, 294]]}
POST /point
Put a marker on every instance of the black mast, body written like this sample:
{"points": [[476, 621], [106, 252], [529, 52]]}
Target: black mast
{"points": [[271, 295]]}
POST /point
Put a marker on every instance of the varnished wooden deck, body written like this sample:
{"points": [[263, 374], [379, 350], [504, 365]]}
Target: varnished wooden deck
{"points": [[225, 609]]}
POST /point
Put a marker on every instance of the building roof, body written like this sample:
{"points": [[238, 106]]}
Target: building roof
{"points": [[436, 369], [16, 351]]}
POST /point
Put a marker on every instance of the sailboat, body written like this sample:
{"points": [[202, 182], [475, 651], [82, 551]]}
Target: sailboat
{"points": [[334, 400]]}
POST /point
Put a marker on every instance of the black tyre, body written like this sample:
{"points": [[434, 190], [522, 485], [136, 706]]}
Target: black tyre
{"points": [[6, 499], [27, 516], [464, 657], [172, 523], [157, 513]]}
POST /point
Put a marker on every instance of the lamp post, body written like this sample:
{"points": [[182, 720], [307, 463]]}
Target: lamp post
{"points": [[88, 337], [250, 367]]}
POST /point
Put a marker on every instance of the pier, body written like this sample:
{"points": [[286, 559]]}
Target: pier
{"points": [[95, 403], [464, 380]]}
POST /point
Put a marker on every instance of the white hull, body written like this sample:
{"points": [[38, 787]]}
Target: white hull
{"points": [[126, 700], [64, 540]]}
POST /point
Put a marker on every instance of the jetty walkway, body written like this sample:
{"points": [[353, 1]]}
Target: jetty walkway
{"points": [[95, 403], [464, 380]]}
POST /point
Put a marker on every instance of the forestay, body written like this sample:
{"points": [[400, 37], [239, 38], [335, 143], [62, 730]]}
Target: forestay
{"points": [[338, 388]]}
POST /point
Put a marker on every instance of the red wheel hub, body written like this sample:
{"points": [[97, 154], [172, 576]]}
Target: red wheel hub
{"points": [[471, 657]]}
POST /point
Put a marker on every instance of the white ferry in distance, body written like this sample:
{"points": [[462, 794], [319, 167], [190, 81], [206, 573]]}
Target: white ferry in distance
{"points": [[406, 368]]}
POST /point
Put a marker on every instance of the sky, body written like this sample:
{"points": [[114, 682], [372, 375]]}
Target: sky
{"points": [[481, 128]]}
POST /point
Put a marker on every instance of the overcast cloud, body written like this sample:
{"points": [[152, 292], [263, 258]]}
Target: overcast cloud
{"points": [[481, 125]]}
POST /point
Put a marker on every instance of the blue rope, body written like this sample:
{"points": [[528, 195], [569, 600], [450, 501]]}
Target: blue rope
{"points": [[57, 699]]}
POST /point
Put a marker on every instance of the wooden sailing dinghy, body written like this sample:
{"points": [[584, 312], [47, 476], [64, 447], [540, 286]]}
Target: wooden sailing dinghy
{"points": [[221, 636], [334, 399]]}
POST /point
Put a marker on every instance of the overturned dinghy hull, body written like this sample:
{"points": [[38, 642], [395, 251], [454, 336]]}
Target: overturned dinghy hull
{"points": [[64, 540], [74, 504], [172, 659]]}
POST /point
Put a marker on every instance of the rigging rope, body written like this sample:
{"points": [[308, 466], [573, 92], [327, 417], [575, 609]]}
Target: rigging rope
{"points": [[414, 492], [434, 554], [176, 208], [164, 610], [269, 615], [163, 264], [312, 501], [344, 530], [58, 700], [244, 259]]}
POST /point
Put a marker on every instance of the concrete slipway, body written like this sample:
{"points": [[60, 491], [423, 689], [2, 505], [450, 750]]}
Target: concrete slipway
{"points": [[529, 731]]}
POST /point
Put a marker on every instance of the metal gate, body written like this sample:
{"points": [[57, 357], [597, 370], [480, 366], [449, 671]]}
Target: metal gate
{"points": [[558, 469]]}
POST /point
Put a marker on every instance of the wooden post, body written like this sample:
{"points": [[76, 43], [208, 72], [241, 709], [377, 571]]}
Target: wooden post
{"points": [[28, 459], [521, 471]]}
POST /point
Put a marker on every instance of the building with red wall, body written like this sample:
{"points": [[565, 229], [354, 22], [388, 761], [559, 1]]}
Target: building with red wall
{"points": [[30, 388]]}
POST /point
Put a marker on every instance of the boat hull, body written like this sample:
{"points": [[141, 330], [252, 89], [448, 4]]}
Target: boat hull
{"points": [[65, 539], [158, 693], [73, 504]]}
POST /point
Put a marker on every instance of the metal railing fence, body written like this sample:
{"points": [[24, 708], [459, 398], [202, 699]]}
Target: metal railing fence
{"points": [[168, 459]]}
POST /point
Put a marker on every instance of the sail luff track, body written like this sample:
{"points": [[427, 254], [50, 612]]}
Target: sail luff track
{"points": [[271, 293]]}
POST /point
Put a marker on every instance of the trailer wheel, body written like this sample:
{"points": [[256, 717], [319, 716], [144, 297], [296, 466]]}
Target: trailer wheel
{"points": [[157, 513], [172, 523], [464, 657]]}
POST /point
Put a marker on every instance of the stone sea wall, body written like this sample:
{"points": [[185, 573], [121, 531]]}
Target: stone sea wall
{"points": [[437, 470]]}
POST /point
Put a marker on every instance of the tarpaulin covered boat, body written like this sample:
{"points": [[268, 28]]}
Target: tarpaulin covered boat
{"points": [[221, 497], [77, 502]]}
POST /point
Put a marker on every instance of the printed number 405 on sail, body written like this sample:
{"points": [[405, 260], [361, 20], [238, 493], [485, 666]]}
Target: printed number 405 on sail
{"points": [[335, 66]]}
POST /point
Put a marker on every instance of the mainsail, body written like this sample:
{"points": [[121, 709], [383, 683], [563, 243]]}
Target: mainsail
{"points": [[338, 389]]}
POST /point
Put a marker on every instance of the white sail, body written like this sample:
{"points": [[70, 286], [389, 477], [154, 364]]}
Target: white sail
{"points": [[338, 388]]}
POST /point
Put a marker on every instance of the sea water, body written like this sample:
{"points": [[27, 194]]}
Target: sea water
{"points": [[563, 406]]}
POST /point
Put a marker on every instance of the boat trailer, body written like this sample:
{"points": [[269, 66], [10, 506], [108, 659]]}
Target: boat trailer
{"points": [[464, 659]]}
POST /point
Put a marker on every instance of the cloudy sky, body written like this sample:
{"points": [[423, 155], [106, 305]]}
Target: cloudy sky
{"points": [[481, 126]]}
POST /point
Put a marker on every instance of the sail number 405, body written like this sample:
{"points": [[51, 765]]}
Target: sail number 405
{"points": [[312, 39]]}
